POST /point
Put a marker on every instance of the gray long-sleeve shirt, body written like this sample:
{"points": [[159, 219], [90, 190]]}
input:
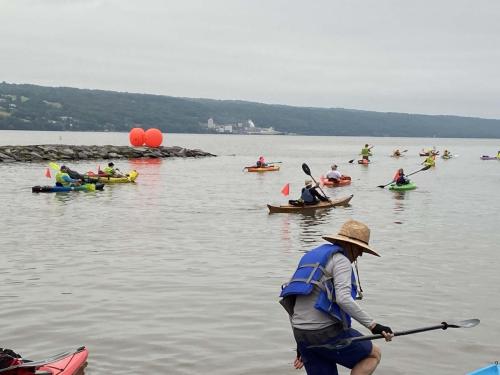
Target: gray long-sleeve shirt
{"points": [[306, 316]]}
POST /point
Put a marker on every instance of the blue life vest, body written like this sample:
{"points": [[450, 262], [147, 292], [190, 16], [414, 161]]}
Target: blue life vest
{"points": [[306, 196], [311, 272]]}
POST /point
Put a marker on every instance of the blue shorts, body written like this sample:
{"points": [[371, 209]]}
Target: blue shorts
{"points": [[323, 361]]}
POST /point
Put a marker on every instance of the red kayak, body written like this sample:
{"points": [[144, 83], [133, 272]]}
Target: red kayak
{"points": [[364, 162], [344, 180], [66, 363]]}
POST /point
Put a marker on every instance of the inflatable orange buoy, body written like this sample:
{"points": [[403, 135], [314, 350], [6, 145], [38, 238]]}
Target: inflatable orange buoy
{"points": [[136, 137], [153, 137]]}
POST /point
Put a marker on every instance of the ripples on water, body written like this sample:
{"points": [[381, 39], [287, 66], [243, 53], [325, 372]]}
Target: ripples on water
{"points": [[180, 273]]}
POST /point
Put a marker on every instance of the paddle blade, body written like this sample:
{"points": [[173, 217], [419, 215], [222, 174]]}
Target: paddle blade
{"points": [[381, 186], [54, 166], [469, 323], [306, 169], [351, 161]]}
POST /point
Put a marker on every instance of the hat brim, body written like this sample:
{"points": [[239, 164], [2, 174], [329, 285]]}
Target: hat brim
{"points": [[341, 238]]}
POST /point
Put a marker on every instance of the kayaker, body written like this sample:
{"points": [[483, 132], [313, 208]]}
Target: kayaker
{"points": [[430, 160], [321, 305], [400, 178], [111, 171], [74, 174], [9, 358], [261, 163], [498, 155], [309, 195], [366, 152], [396, 153], [446, 154], [63, 178], [334, 175]]}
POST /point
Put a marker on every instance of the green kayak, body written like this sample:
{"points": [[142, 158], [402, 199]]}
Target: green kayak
{"points": [[409, 186]]}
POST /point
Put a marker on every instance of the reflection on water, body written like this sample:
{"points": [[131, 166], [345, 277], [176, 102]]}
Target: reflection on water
{"points": [[309, 224]]}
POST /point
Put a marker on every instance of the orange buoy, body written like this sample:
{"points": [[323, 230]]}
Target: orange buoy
{"points": [[136, 137], [153, 137]]}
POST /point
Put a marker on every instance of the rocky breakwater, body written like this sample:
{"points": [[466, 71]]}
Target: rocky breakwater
{"points": [[40, 153]]}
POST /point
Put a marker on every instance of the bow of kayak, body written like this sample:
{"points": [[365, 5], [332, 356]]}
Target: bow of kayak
{"points": [[67, 363], [493, 369]]}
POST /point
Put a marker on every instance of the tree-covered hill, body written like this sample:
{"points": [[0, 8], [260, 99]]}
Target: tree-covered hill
{"points": [[31, 107]]}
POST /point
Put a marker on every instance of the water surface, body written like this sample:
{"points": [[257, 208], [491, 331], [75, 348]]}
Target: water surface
{"points": [[180, 272]]}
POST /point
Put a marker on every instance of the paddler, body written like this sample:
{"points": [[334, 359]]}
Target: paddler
{"points": [[111, 171], [446, 154], [498, 155], [396, 153], [320, 317], [261, 163], [430, 160], [400, 178], [366, 152], [309, 195], [334, 175], [64, 179]]}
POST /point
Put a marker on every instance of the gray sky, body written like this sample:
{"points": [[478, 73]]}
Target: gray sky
{"points": [[419, 56]]}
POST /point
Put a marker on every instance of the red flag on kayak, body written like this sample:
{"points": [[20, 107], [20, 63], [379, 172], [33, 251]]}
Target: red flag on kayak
{"points": [[47, 173], [285, 190]]}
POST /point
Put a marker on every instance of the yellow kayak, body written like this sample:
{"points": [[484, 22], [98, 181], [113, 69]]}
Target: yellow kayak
{"points": [[129, 177]]}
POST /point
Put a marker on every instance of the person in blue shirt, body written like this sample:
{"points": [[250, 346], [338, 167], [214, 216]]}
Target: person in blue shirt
{"points": [[63, 178]]}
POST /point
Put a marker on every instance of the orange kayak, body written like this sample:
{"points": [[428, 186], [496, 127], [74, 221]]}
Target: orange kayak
{"points": [[269, 168], [345, 180]]}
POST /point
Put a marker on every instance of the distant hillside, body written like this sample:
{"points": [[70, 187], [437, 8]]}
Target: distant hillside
{"points": [[31, 107]]}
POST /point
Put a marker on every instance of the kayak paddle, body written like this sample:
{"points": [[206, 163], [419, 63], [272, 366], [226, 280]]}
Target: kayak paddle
{"points": [[342, 343], [420, 170], [307, 171]]}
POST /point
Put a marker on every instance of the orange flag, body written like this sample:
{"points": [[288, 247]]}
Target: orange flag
{"points": [[285, 190], [47, 173]]}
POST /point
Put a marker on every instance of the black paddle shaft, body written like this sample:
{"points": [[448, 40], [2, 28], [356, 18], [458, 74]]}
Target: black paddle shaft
{"points": [[443, 325]]}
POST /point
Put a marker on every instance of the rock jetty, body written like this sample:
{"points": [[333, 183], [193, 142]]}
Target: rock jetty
{"points": [[40, 153]]}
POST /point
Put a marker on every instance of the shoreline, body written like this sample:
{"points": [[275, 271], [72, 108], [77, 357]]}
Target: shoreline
{"points": [[51, 152]]}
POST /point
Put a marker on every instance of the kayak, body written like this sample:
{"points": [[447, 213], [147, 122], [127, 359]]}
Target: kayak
{"points": [[66, 363], [404, 187], [485, 157], [364, 162], [101, 177], [344, 180], [344, 201], [64, 189], [446, 156], [493, 369], [269, 168], [428, 153]]}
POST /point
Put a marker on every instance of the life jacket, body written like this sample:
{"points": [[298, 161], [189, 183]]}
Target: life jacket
{"points": [[110, 171], [60, 178], [311, 272], [306, 196]]}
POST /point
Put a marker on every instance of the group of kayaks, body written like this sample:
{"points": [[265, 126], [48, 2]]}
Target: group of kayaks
{"points": [[71, 362], [93, 181]]}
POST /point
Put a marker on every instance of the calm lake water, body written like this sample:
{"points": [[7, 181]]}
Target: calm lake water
{"points": [[180, 272]]}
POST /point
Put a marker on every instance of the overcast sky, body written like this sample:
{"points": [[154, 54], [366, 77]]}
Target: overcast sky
{"points": [[417, 56]]}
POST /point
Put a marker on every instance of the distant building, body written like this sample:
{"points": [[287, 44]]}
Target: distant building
{"points": [[211, 123]]}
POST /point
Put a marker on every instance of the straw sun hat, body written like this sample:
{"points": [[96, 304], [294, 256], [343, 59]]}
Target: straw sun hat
{"points": [[354, 232]]}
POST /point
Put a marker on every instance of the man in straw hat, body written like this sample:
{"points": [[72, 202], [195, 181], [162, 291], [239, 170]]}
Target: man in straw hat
{"points": [[321, 300]]}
